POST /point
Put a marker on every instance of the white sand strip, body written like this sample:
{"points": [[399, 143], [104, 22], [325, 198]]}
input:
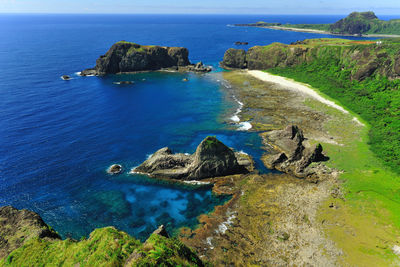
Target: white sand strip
{"points": [[296, 86]]}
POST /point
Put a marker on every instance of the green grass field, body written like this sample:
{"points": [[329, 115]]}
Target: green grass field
{"points": [[366, 224]]}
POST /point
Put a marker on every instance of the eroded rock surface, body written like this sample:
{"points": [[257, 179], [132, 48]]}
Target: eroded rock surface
{"points": [[211, 159], [294, 155], [20, 226]]}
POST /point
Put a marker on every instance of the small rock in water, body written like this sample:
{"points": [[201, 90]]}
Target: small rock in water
{"points": [[115, 169], [66, 77], [126, 82]]}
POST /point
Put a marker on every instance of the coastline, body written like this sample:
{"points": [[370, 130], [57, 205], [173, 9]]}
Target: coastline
{"points": [[324, 32], [271, 106], [298, 87]]}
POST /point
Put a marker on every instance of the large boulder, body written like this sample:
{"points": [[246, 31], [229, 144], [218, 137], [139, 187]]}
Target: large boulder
{"points": [[211, 159], [293, 155], [234, 59], [19, 226]]}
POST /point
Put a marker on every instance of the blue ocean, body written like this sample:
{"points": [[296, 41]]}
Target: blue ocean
{"points": [[57, 138]]}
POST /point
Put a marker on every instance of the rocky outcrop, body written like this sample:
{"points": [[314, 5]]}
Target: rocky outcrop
{"points": [[234, 58], [115, 169], [19, 226], [211, 159], [293, 155], [125, 57], [359, 60], [355, 23]]}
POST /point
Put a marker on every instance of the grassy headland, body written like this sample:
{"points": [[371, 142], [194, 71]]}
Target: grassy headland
{"points": [[368, 221], [357, 23]]}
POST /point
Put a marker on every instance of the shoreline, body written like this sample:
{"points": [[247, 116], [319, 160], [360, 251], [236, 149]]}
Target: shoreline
{"points": [[298, 87], [325, 32]]}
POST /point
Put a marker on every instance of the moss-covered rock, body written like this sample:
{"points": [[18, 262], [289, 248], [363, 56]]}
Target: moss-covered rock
{"points": [[104, 247], [19, 226], [235, 58]]}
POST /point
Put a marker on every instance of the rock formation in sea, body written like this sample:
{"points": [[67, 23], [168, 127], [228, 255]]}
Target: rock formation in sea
{"points": [[211, 159], [360, 59], [294, 155], [115, 169], [125, 57]]}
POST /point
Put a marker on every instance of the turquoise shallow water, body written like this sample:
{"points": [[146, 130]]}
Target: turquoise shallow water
{"points": [[58, 137]]}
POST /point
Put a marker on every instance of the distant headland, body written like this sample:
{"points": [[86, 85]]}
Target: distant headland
{"points": [[356, 24]]}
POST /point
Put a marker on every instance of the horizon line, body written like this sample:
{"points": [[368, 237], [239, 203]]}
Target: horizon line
{"points": [[188, 14]]}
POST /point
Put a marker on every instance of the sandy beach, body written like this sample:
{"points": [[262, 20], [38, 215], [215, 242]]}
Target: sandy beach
{"points": [[296, 86], [326, 32]]}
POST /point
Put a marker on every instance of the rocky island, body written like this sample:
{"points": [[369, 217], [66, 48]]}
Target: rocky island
{"points": [[211, 159], [355, 24], [127, 57]]}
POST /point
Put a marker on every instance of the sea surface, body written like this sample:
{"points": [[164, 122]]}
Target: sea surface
{"points": [[57, 138]]}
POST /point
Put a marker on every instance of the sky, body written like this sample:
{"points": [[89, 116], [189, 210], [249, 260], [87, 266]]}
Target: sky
{"points": [[382, 7]]}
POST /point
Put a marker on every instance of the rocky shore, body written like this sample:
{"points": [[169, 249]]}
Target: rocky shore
{"points": [[127, 57]]}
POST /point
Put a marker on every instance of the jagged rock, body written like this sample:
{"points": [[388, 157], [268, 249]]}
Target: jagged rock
{"points": [[125, 57], [66, 77], [88, 72], [211, 159], [200, 67], [161, 231], [115, 169], [293, 155], [19, 226]]}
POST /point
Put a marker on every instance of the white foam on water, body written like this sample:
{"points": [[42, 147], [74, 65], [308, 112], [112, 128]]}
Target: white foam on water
{"points": [[78, 73], [148, 156], [194, 182], [242, 152], [235, 118], [245, 126]]}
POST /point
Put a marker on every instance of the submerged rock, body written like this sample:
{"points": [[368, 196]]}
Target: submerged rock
{"points": [[19, 226], [294, 155], [211, 159], [115, 169]]}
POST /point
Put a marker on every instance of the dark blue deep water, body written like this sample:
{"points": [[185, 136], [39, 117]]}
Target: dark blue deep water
{"points": [[57, 138]]}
